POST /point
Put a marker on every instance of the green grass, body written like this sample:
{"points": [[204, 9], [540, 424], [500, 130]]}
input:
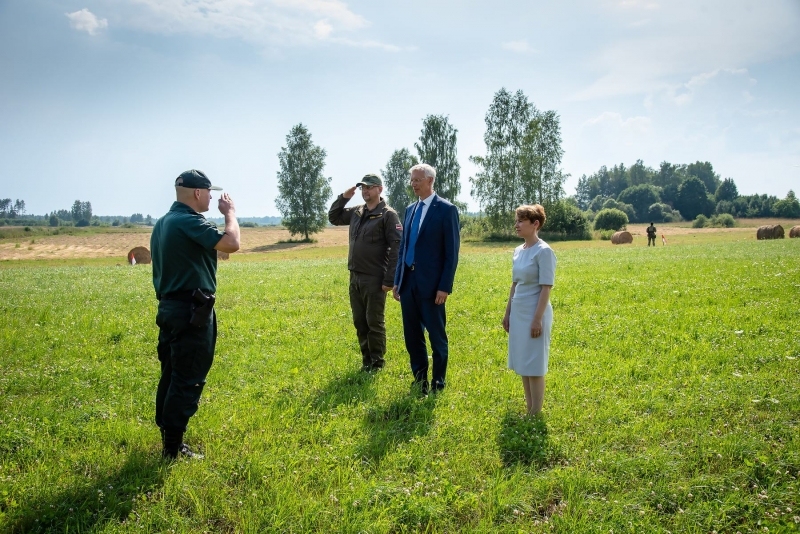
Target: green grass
{"points": [[672, 401]]}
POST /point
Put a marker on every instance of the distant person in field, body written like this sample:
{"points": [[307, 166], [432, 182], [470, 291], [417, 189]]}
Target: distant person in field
{"points": [[529, 315], [184, 249], [375, 232], [651, 235], [424, 277]]}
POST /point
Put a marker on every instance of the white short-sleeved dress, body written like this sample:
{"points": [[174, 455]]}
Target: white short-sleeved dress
{"points": [[532, 268]]}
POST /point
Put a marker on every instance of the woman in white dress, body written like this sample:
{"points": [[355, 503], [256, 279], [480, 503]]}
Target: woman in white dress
{"points": [[529, 315]]}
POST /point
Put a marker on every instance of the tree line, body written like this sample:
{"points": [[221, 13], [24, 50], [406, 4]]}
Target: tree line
{"points": [[80, 214], [674, 192]]}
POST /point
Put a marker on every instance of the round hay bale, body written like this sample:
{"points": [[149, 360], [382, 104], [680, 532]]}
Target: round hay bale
{"points": [[621, 238], [795, 231], [140, 254], [223, 255], [777, 232], [763, 232]]}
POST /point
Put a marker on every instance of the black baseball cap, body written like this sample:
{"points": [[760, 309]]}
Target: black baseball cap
{"points": [[195, 179]]}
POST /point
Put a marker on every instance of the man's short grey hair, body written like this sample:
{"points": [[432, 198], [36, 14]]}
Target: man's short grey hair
{"points": [[429, 171]]}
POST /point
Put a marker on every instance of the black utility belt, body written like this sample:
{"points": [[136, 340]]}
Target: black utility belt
{"points": [[191, 295]]}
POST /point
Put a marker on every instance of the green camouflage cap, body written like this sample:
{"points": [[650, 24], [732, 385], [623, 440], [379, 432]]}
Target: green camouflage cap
{"points": [[371, 179], [195, 179]]}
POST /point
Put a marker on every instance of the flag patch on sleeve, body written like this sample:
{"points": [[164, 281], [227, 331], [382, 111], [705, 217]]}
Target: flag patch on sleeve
{"points": [[399, 227]]}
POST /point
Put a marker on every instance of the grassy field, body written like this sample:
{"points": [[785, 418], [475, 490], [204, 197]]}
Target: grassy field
{"points": [[672, 402]]}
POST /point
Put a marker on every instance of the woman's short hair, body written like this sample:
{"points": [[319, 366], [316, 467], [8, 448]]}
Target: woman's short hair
{"points": [[532, 213]]}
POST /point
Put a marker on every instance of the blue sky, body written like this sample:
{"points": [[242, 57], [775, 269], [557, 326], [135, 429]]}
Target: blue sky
{"points": [[109, 100]]}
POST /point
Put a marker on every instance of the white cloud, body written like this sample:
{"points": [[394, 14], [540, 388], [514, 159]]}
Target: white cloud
{"points": [[684, 93], [613, 120], [85, 20], [262, 22], [687, 37], [322, 29], [521, 46]]}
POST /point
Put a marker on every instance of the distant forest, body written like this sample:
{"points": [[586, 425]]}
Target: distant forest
{"points": [[674, 192]]}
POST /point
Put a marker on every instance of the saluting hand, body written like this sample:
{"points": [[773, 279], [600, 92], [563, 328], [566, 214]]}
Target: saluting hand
{"points": [[350, 192], [225, 204]]}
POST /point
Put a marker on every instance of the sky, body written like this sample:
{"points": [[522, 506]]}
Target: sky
{"points": [[108, 101]]}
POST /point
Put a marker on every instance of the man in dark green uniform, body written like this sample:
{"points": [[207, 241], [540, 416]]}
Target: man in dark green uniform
{"points": [[184, 249], [375, 232]]}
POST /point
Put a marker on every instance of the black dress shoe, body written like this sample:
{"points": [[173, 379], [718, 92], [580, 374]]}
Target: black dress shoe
{"points": [[437, 387], [420, 386], [183, 450]]}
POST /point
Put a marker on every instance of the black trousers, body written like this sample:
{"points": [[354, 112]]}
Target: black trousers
{"points": [[186, 353], [368, 303], [420, 314]]}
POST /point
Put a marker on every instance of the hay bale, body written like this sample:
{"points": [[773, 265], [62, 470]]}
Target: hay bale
{"points": [[621, 238], [770, 232], [795, 231], [140, 254], [223, 255]]}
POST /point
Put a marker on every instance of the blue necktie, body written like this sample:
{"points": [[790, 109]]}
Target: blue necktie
{"points": [[412, 239]]}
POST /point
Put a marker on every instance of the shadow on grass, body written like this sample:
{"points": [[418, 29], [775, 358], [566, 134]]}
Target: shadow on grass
{"points": [[280, 245], [399, 422], [523, 441], [109, 497], [355, 386]]}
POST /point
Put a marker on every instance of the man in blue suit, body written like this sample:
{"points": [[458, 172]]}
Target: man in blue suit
{"points": [[426, 266]]}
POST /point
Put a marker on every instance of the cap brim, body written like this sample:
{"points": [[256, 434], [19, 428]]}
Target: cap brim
{"points": [[215, 188]]}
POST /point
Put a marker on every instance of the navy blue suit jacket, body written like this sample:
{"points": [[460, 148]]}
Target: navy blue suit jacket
{"points": [[436, 251]]}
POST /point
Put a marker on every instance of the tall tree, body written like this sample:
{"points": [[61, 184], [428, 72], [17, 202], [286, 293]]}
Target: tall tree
{"points": [[81, 212], [523, 155], [618, 179], [641, 197], [705, 172], [639, 174], [19, 207], [542, 179], [395, 179], [6, 207], [497, 186], [437, 147], [693, 199], [585, 191], [789, 207], [726, 191], [303, 191]]}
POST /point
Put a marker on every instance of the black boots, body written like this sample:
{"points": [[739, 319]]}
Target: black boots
{"points": [[172, 445]]}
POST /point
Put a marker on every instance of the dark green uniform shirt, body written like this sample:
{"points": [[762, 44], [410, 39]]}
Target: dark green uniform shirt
{"points": [[182, 250], [374, 237]]}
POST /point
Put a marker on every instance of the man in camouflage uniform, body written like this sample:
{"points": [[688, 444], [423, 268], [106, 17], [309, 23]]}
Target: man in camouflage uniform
{"points": [[651, 235], [375, 232]]}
